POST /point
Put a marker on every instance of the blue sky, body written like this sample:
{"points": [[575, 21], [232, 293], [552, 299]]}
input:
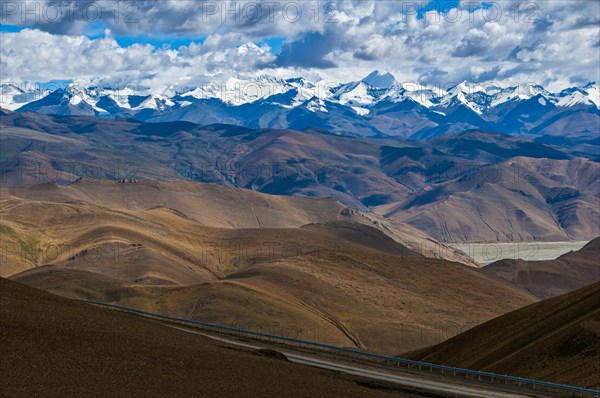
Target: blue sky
{"points": [[158, 41], [10, 28]]}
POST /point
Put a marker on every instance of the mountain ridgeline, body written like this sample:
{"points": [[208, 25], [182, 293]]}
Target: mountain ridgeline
{"points": [[488, 186], [377, 105]]}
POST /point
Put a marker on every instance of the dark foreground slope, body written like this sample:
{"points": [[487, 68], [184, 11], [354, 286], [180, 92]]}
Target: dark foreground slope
{"points": [[51, 346], [549, 278], [557, 340]]}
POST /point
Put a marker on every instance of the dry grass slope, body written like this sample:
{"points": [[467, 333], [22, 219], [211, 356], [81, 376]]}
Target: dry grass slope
{"points": [[223, 207], [518, 200], [51, 346], [337, 282], [557, 339]]}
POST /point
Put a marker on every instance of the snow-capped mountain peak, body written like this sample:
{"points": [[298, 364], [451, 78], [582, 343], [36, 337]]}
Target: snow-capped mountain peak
{"points": [[380, 79], [10, 89], [473, 96], [355, 94], [375, 103], [156, 102], [235, 91], [413, 91], [13, 96], [366, 92], [467, 88], [520, 92], [586, 95]]}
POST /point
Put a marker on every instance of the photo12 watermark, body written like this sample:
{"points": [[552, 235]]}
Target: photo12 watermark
{"points": [[48, 12], [263, 12]]}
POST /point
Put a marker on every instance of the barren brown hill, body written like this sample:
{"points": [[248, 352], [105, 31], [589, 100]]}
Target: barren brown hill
{"points": [[340, 282], [51, 346], [549, 278], [557, 340], [222, 207], [518, 200], [465, 187], [209, 204]]}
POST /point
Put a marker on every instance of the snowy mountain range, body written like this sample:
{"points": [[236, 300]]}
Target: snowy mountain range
{"points": [[377, 105]]}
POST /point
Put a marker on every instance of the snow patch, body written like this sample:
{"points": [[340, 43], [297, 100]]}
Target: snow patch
{"points": [[360, 111]]}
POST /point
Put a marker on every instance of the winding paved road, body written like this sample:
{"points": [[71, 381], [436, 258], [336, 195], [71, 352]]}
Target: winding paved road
{"points": [[406, 381]]}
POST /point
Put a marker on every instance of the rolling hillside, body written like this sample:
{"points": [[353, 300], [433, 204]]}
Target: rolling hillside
{"points": [[335, 281], [549, 278], [216, 206], [519, 199], [557, 339], [487, 186]]}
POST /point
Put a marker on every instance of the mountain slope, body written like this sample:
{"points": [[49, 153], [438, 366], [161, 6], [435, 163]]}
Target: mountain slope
{"points": [[100, 353], [519, 199], [491, 186], [557, 339], [219, 207], [551, 278], [494, 147], [337, 281]]}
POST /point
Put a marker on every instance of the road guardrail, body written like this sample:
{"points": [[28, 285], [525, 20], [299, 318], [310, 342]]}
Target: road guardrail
{"points": [[380, 359]]}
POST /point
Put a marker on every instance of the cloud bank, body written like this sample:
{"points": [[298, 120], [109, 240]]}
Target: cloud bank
{"points": [[554, 43]]}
